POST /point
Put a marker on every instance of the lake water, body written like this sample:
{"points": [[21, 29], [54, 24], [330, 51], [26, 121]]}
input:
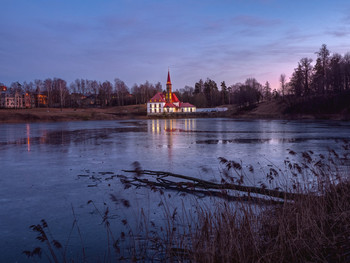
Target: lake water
{"points": [[48, 169]]}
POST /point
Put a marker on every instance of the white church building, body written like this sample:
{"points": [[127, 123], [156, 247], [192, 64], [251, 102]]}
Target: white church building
{"points": [[163, 103]]}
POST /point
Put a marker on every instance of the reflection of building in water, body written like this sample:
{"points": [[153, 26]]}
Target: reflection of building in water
{"points": [[155, 127], [167, 131], [170, 126], [44, 137], [28, 136], [167, 102], [190, 124]]}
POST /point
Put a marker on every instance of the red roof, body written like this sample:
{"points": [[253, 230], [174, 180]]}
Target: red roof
{"points": [[169, 105], [174, 98], [159, 97], [186, 105]]}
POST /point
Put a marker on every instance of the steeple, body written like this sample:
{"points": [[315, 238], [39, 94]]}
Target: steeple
{"points": [[168, 81], [168, 89]]}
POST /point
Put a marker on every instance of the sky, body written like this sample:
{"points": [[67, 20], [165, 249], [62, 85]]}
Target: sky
{"points": [[139, 40]]}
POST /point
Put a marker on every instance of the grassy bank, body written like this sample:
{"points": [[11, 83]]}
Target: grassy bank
{"points": [[274, 109], [70, 114]]}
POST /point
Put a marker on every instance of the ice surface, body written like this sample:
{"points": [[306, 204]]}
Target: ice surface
{"points": [[46, 169]]}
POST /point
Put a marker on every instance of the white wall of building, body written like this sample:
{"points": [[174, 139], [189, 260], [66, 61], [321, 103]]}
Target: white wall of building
{"points": [[155, 107]]}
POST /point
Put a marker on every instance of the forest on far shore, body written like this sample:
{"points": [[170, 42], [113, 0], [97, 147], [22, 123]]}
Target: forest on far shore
{"points": [[324, 83]]}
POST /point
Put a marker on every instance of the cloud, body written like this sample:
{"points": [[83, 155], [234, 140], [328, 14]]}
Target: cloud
{"points": [[254, 21], [341, 32]]}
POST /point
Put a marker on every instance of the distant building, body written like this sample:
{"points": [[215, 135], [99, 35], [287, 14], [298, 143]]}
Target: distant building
{"points": [[40, 100], [163, 103], [10, 99]]}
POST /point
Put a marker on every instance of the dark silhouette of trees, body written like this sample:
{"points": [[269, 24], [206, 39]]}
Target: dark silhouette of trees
{"points": [[211, 92], [199, 87], [105, 93], [187, 94], [267, 94], [336, 73], [346, 71], [143, 92], [224, 93], [246, 96], [300, 81], [322, 64], [121, 91], [329, 76], [306, 70]]}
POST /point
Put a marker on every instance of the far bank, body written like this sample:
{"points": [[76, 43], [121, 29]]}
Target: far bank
{"points": [[275, 109]]}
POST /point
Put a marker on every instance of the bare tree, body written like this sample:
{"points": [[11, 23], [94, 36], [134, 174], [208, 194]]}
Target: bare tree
{"points": [[105, 93], [121, 91], [39, 86], [28, 87], [306, 68], [158, 87], [62, 87], [346, 69], [48, 84], [323, 56]]}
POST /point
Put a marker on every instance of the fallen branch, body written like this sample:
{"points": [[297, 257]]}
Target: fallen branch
{"points": [[192, 185]]}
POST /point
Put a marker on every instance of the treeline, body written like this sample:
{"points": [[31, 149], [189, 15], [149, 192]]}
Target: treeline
{"points": [[84, 92], [328, 77], [208, 94]]}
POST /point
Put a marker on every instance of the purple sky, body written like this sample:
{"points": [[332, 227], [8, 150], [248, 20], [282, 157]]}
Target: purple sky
{"points": [[137, 40]]}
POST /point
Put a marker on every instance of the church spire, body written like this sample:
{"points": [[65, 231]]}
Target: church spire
{"points": [[168, 81], [168, 89]]}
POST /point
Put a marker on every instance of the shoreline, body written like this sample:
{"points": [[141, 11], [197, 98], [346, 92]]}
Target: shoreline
{"points": [[40, 115]]}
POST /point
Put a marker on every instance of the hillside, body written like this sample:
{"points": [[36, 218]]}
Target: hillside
{"points": [[337, 108]]}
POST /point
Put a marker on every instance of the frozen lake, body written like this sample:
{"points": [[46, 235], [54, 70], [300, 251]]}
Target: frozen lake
{"points": [[46, 169]]}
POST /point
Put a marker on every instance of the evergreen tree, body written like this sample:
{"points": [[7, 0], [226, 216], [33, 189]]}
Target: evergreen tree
{"points": [[224, 93], [283, 84], [199, 87], [267, 91], [296, 82]]}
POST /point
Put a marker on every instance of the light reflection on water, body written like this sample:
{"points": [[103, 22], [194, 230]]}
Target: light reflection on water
{"points": [[40, 162]]}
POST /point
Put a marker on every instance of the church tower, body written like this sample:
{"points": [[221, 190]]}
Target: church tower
{"points": [[168, 89]]}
